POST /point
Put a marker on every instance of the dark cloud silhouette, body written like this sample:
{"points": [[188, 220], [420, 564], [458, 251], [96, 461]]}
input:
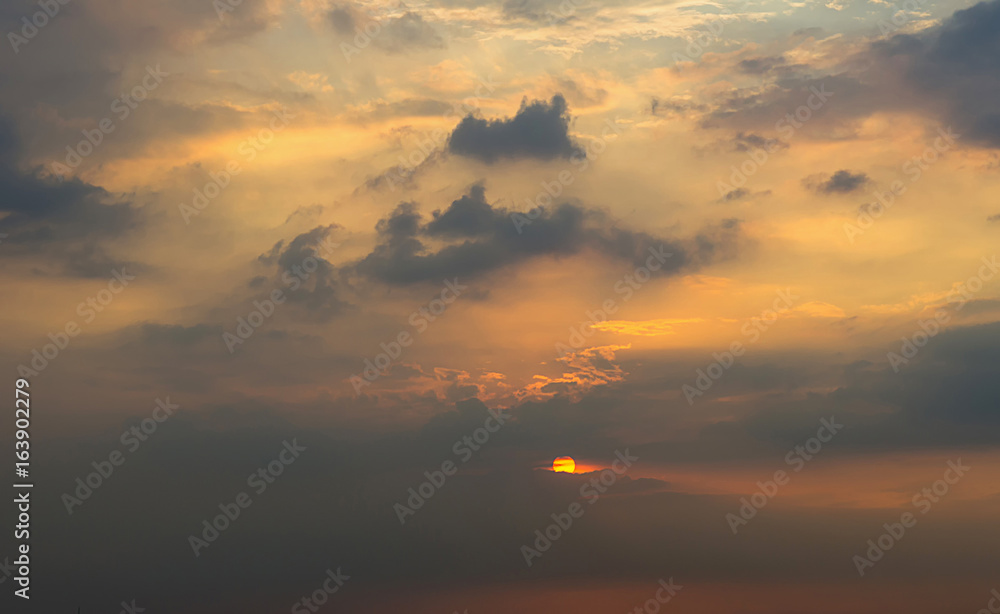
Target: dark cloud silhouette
{"points": [[946, 71], [473, 526], [841, 182], [67, 224], [304, 272], [487, 238], [956, 62], [468, 216], [538, 130]]}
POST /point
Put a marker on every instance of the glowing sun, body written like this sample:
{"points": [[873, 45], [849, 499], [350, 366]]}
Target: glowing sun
{"points": [[564, 464]]}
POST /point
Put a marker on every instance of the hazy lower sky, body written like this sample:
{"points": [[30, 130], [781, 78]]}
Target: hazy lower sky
{"points": [[737, 260]]}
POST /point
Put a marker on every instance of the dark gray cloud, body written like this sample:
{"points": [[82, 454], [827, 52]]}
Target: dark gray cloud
{"points": [[335, 505], [485, 238], [56, 226], [315, 285], [954, 64], [74, 61], [469, 216], [841, 182], [538, 130], [945, 72]]}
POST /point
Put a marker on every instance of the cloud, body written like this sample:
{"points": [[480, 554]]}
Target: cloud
{"points": [[482, 238], [748, 141], [409, 31], [841, 182], [742, 194], [679, 106], [532, 10], [393, 35], [319, 290], [950, 64], [944, 71], [760, 65], [538, 130], [65, 223], [342, 19]]}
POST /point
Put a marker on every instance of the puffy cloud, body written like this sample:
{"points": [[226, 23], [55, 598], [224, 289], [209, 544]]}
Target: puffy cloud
{"points": [[487, 238], [538, 130]]}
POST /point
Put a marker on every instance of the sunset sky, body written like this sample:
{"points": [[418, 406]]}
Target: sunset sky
{"points": [[693, 246]]}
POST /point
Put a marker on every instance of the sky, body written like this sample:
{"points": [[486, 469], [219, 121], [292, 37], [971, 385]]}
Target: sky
{"points": [[310, 295]]}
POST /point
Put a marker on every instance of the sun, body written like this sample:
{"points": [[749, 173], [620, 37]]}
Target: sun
{"points": [[564, 464]]}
